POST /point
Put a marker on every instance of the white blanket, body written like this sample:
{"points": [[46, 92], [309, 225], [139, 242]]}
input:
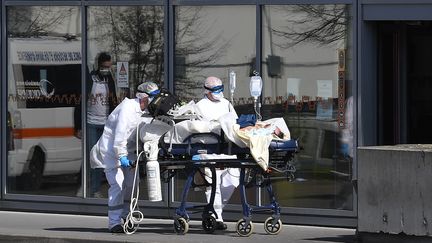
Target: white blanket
{"points": [[182, 130]]}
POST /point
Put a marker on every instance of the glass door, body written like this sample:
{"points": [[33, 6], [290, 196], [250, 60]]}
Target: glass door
{"points": [[405, 82]]}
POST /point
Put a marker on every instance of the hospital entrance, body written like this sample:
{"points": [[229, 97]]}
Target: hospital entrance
{"points": [[308, 82], [404, 82]]}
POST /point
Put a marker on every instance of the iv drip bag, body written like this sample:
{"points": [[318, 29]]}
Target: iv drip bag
{"points": [[232, 81], [255, 86]]}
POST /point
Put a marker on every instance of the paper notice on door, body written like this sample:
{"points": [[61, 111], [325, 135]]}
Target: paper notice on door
{"points": [[325, 88], [293, 87]]}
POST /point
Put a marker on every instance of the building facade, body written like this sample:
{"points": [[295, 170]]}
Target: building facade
{"points": [[342, 74]]}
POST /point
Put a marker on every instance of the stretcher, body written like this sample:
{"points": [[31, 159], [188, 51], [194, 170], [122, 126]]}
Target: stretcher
{"points": [[173, 157]]}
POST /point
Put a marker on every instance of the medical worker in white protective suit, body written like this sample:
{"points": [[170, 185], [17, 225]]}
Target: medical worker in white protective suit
{"points": [[116, 150], [211, 107]]}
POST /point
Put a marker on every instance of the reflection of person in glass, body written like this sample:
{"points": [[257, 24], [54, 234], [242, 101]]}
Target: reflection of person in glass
{"points": [[116, 149], [347, 148], [211, 107], [347, 151], [101, 102]]}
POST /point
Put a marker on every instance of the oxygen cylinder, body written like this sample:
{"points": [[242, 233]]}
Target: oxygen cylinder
{"points": [[153, 172], [153, 181]]}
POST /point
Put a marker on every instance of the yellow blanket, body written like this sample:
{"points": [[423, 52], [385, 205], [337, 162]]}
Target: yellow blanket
{"points": [[258, 145]]}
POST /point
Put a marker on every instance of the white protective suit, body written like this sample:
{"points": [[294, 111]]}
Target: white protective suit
{"points": [[117, 140], [228, 179]]}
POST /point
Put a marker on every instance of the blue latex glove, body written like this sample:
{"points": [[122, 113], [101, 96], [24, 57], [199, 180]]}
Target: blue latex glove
{"points": [[124, 161]]}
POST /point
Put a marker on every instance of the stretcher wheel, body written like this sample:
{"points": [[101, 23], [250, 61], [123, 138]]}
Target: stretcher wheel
{"points": [[243, 229], [270, 228], [209, 224], [181, 226]]}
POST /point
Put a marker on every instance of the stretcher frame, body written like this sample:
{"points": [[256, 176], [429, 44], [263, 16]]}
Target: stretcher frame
{"points": [[251, 174]]}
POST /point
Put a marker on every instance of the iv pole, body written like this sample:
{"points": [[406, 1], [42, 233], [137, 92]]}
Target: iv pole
{"points": [[232, 86]]}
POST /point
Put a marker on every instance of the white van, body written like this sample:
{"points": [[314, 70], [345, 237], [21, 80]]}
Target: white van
{"points": [[44, 87]]}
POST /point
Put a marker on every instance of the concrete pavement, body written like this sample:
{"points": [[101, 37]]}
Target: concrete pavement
{"points": [[52, 228]]}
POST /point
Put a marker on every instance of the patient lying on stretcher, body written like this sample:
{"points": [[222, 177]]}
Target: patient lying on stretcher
{"points": [[264, 129], [257, 137]]}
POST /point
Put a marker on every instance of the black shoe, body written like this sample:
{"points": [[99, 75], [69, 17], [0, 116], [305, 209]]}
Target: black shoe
{"points": [[220, 225], [117, 229]]}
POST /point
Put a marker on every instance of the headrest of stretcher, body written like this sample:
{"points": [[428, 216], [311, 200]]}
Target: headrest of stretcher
{"points": [[287, 145]]}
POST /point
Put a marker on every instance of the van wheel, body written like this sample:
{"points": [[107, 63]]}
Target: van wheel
{"points": [[33, 178]]}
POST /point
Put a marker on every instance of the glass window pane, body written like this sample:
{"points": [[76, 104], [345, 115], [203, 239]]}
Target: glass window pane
{"points": [[208, 42], [212, 41], [44, 87], [306, 72], [127, 42]]}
